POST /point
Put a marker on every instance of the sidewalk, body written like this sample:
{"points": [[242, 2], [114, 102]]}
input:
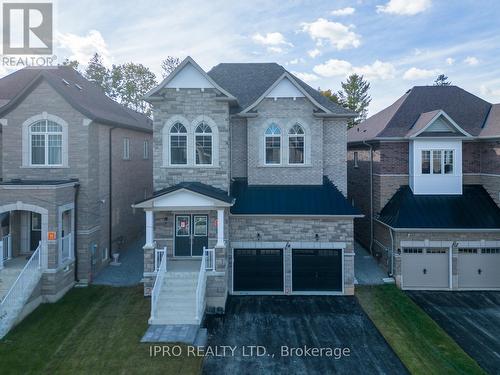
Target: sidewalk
{"points": [[366, 269]]}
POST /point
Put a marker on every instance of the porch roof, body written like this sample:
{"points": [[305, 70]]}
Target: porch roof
{"points": [[213, 196]]}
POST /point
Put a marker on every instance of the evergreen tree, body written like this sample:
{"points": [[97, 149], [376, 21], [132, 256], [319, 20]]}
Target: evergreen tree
{"points": [[98, 73], [354, 96], [442, 80]]}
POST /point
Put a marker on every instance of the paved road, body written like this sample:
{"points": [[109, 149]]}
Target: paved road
{"points": [[319, 321], [472, 319]]}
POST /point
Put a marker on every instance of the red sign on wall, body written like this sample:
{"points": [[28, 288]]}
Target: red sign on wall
{"points": [[51, 236]]}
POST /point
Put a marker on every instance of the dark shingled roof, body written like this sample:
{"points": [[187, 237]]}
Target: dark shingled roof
{"points": [[196, 187], [90, 100], [311, 200], [467, 110], [249, 81], [474, 209]]}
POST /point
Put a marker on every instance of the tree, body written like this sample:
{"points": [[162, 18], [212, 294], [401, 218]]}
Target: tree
{"points": [[442, 80], [169, 64], [129, 83], [354, 96], [98, 73], [330, 95], [73, 63]]}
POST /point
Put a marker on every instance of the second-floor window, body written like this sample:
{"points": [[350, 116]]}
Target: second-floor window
{"points": [[437, 161], [203, 144], [178, 144], [273, 144], [296, 141], [46, 143], [145, 154], [126, 149]]}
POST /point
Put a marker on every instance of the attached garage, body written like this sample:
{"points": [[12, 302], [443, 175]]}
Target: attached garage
{"points": [[425, 268], [479, 268], [258, 270], [317, 270]]}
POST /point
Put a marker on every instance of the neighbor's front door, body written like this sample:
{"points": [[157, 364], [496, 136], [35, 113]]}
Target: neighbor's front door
{"points": [[191, 234]]}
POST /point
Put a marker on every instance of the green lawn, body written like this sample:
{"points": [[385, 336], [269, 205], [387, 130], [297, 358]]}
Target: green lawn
{"points": [[94, 330], [419, 342]]}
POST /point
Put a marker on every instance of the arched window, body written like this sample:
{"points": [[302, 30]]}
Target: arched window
{"points": [[178, 144], [273, 144], [296, 142], [46, 138], [203, 144]]}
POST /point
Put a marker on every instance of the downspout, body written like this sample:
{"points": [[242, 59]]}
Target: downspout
{"points": [[371, 196], [75, 234], [110, 218], [392, 253]]}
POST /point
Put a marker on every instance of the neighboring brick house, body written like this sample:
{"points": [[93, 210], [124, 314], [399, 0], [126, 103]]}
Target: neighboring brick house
{"points": [[431, 161], [250, 164], [59, 192]]}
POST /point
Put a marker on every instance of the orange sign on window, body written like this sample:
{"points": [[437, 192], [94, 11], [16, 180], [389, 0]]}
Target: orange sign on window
{"points": [[51, 236]]}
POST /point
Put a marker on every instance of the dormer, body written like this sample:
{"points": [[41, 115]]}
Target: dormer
{"points": [[436, 154]]}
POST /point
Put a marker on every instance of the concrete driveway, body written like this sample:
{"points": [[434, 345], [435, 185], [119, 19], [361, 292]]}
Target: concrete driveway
{"points": [[472, 319], [273, 322]]}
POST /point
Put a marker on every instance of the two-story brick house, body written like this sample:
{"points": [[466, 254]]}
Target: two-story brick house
{"points": [[425, 171], [72, 162], [250, 165]]}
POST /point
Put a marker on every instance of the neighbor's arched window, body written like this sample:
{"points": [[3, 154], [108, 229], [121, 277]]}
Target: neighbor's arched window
{"points": [[203, 144], [46, 138], [296, 142], [178, 144], [273, 144]]}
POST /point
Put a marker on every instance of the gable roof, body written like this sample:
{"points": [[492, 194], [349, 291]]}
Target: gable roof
{"points": [[84, 95], [249, 82], [195, 187], [468, 111], [427, 119], [474, 209], [171, 76], [308, 200]]}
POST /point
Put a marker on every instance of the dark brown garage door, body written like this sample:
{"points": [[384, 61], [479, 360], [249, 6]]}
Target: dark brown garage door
{"points": [[317, 270], [258, 270]]}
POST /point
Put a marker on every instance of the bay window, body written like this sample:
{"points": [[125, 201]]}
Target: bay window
{"points": [[437, 161]]}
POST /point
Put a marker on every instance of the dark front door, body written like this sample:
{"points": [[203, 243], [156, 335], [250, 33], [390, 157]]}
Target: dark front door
{"points": [[36, 230], [317, 270], [191, 234], [258, 270]]}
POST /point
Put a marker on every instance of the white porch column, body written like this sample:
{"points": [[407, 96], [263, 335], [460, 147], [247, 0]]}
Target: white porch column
{"points": [[220, 228], [149, 228]]}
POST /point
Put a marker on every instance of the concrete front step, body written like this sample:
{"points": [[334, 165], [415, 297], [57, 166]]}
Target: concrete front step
{"points": [[168, 320], [181, 275]]}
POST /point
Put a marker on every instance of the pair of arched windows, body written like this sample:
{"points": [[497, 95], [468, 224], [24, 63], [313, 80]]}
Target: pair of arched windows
{"points": [[203, 144], [273, 144]]}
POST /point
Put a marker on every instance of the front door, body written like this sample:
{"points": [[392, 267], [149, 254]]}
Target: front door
{"points": [[191, 234], [36, 230]]}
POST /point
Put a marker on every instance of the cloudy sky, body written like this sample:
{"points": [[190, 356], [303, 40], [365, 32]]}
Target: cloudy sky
{"points": [[395, 44]]}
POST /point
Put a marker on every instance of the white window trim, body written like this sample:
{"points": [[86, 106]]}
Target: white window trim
{"points": [[191, 149], [211, 135], [280, 136], [431, 161], [26, 141], [126, 148], [145, 151], [288, 136]]}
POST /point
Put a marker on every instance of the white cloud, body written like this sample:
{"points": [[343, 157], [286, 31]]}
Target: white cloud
{"points": [[339, 35], [404, 7], [314, 53], [379, 70], [471, 60], [416, 73], [308, 77], [450, 61], [488, 91], [274, 49], [82, 48], [343, 12], [271, 39]]}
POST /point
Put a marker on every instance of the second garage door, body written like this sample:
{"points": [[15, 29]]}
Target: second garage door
{"points": [[479, 268], [259, 270], [317, 270], [425, 268]]}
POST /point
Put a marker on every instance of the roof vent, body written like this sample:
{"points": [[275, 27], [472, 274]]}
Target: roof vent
{"points": [[78, 87], [65, 82]]}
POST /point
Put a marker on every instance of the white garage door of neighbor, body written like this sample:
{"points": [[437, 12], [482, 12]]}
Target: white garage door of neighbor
{"points": [[425, 268], [479, 268]]}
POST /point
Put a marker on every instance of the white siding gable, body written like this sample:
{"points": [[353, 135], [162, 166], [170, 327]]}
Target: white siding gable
{"points": [[189, 78], [285, 89], [440, 125]]}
